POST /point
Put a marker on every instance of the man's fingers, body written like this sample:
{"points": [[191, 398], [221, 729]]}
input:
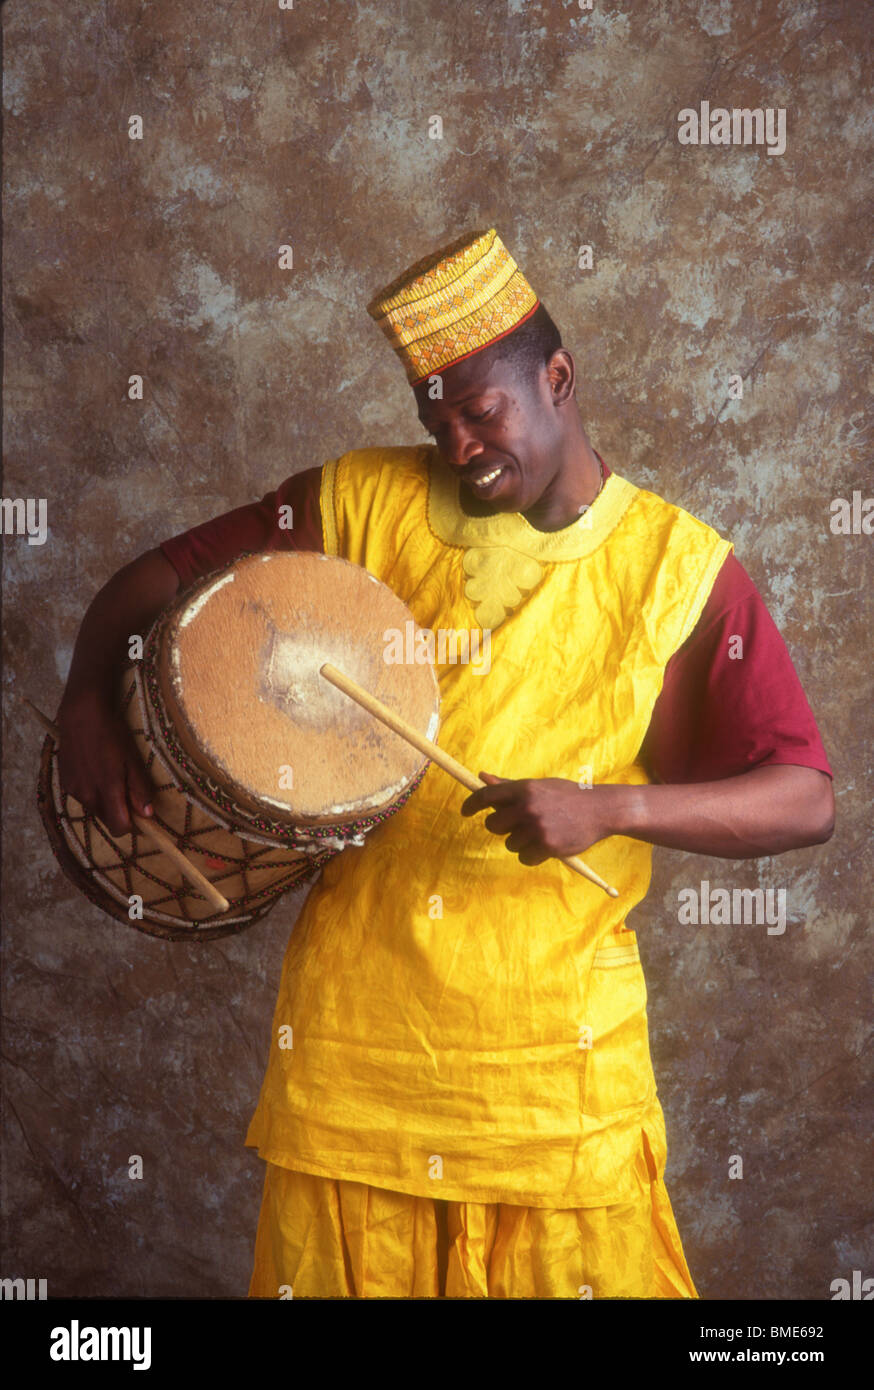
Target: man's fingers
{"points": [[139, 786], [132, 791], [503, 821], [114, 810], [528, 847], [480, 799], [127, 788], [519, 841], [498, 790], [531, 856], [503, 794], [100, 765]]}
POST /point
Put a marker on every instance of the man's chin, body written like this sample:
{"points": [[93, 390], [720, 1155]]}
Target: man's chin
{"points": [[488, 506]]}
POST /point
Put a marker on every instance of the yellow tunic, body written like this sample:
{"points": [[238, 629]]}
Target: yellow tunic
{"points": [[466, 1027]]}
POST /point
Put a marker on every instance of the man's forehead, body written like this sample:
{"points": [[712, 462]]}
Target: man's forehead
{"points": [[463, 379]]}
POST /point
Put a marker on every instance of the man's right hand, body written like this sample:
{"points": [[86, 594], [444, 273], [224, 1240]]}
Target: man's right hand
{"points": [[99, 764]]}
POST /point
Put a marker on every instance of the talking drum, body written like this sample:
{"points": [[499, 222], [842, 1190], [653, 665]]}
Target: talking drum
{"points": [[262, 770]]}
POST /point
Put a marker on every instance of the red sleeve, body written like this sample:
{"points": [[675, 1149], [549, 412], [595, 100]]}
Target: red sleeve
{"points": [[258, 526], [725, 708]]}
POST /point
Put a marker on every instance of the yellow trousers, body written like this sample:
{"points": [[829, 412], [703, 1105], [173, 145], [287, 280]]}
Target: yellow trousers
{"points": [[330, 1238]]}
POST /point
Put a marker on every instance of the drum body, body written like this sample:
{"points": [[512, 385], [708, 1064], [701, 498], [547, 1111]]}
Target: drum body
{"points": [[262, 771], [252, 873]]}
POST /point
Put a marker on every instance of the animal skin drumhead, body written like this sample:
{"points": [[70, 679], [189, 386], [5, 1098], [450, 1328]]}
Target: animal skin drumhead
{"points": [[239, 669]]}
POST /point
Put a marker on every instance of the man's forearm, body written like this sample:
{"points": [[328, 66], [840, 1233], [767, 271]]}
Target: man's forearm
{"points": [[128, 603], [766, 811]]}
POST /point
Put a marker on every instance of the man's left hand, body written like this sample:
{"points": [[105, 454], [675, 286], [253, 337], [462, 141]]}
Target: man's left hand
{"points": [[542, 817]]}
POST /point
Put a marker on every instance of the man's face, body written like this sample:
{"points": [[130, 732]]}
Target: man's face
{"points": [[496, 430]]}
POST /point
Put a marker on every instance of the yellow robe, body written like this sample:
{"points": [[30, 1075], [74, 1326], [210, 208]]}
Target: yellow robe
{"points": [[465, 1027]]}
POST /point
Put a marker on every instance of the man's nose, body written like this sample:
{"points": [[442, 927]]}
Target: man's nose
{"points": [[459, 445]]}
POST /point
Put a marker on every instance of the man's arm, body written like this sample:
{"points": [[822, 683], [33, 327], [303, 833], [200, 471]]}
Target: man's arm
{"points": [[98, 761], [766, 811]]}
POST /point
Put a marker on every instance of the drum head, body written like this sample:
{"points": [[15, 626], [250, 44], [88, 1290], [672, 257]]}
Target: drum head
{"points": [[238, 670]]}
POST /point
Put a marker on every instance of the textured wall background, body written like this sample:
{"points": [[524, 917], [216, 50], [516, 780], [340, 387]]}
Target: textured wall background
{"points": [[159, 257]]}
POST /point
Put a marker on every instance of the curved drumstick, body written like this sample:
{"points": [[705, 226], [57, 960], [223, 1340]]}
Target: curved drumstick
{"points": [[436, 754], [159, 838]]}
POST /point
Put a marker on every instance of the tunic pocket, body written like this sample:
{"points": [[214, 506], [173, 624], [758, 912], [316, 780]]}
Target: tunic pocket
{"points": [[618, 1073]]}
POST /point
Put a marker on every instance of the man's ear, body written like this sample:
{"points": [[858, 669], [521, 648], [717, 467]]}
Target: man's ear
{"points": [[561, 375]]}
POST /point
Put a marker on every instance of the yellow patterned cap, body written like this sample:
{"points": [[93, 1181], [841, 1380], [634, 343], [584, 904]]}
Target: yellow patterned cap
{"points": [[453, 303]]}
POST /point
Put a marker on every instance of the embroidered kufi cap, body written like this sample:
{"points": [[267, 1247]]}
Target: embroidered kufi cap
{"points": [[453, 303]]}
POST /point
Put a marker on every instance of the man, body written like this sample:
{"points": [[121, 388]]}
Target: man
{"points": [[469, 1107]]}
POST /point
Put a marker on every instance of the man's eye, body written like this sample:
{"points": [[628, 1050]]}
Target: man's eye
{"points": [[470, 415]]}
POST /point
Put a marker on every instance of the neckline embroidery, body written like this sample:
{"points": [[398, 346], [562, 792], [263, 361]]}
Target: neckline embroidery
{"points": [[510, 530], [504, 554]]}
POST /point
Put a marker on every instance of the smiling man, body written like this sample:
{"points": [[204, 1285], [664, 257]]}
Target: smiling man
{"points": [[470, 1109]]}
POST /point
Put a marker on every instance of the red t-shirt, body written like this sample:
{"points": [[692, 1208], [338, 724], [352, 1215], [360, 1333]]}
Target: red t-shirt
{"points": [[717, 714]]}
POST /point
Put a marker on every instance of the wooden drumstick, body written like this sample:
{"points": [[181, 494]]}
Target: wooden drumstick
{"points": [[437, 755], [159, 838]]}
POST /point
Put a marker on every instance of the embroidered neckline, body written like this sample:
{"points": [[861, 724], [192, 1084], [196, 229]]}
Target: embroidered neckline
{"points": [[510, 530]]}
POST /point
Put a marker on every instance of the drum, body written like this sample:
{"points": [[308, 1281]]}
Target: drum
{"points": [[262, 770]]}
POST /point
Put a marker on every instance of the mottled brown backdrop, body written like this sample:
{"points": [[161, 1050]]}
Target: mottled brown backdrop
{"points": [[310, 127]]}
